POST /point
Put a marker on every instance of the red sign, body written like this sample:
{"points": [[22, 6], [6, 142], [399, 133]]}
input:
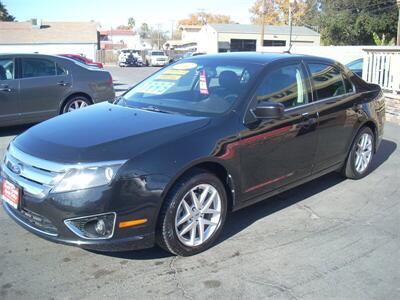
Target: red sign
{"points": [[203, 83], [10, 193]]}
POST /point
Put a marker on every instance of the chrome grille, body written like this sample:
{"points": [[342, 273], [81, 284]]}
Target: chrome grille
{"points": [[36, 176]]}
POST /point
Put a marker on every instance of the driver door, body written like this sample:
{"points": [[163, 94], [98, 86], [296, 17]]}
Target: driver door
{"points": [[275, 153], [10, 107]]}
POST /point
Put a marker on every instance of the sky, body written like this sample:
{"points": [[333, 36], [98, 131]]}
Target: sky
{"points": [[111, 13]]}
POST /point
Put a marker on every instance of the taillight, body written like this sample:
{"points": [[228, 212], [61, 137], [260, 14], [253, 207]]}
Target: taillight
{"points": [[110, 80]]}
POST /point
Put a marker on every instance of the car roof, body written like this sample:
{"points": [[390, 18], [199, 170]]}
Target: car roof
{"points": [[30, 55], [259, 57]]}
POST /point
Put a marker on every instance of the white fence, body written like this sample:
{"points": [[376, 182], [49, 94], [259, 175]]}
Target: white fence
{"points": [[382, 66]]}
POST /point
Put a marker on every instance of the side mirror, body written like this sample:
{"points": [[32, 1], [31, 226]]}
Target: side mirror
{"points": [[269, 110]]}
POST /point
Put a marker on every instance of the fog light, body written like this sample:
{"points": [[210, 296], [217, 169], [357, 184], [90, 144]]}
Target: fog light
{"points": [[93, 227], [100, 227]]}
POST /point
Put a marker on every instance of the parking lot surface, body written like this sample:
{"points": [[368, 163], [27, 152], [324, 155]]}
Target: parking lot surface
{"points": [[330, 238]]}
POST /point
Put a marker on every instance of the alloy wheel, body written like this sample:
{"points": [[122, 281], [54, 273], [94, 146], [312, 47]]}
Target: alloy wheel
{"points": [[363, 153], [198, 215], [77, 104]]}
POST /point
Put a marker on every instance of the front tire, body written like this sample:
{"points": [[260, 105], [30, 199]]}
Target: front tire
{"points": [[193, 214], [359, 159]]}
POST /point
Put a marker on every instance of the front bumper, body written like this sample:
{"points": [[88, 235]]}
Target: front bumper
{"points": [[114, 244], [45, 217]]}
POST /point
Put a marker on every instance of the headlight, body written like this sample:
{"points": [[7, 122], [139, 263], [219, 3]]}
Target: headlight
{"points": [[89, 177]]}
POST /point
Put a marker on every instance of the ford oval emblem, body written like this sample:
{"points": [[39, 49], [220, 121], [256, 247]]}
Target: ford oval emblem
{"points": [[16, 168]]}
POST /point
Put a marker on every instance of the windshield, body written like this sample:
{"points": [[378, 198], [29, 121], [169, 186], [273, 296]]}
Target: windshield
{"points": [[158, 53], [198, 87]]}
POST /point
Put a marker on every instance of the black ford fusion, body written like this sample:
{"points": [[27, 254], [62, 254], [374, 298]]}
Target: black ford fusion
{"points": [[167, 161]]}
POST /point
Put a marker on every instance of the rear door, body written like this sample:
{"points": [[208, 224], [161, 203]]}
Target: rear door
{"points": [[9, 92], [275, 153], [44, 85], [337, 109]]}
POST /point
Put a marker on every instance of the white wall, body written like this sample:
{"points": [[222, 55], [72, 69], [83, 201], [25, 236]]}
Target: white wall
{"points": [[131, 41], [207, 40], [88, 50]]}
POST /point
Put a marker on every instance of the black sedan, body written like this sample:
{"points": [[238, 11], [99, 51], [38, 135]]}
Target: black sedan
{"points": [[168, 160]]}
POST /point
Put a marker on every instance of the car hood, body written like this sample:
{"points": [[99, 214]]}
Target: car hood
{"points": [[104, 132]]}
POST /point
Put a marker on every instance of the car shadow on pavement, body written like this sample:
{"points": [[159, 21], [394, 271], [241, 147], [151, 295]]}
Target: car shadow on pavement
{"points": [[14, 130], [240, 220]]}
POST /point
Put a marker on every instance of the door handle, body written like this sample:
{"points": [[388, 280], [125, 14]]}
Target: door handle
{"points": [[5, 89], [62, 83], [308, 123]]}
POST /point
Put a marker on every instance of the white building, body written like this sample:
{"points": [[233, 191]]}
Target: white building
{"points": [[214, 38], [190, 33], [121, 38], [49, 37]]}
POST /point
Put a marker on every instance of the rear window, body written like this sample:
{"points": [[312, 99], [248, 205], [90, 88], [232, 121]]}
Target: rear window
{"points": [[327, 80], [158, 53]]}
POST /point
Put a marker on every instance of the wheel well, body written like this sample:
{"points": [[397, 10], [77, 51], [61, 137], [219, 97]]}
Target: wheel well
{"points": [[222, 174], [74, 95], [372, 126]]}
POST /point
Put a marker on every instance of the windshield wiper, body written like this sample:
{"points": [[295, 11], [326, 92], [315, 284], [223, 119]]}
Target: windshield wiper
{"points": [[155, 109]]}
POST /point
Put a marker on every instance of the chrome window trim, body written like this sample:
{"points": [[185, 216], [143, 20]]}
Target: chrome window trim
{"points": [[9, 210]]}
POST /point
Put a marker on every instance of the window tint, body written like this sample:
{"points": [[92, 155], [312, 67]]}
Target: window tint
{"points": [[34, 67], [6, 69], [348, 85], [285, 85], [327, 80], [61, 70]]}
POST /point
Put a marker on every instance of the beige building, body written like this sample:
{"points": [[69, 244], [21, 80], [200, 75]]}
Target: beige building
{"points": [[49, 37], [214, 38]]}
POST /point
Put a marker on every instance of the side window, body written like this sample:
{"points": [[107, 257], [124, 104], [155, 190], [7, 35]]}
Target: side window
{"points": [[61, 70], [37, 67], [6, 69], [327, 81], [348, 85], [285, 85]]}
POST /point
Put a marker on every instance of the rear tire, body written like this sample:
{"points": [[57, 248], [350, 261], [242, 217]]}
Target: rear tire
{"points": [[193, 214], [361, 153], [75, 102]]}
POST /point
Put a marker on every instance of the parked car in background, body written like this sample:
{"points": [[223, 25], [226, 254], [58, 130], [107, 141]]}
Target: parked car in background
{"points": [[166, 162], [84, 60], [178, 57], [356, 66], [155, 58], [35, 87], [130, 57]]}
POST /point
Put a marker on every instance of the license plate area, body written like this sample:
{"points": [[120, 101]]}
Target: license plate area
{"points": [[11, 193]]}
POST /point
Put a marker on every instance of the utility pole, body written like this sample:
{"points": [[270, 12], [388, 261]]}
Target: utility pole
{"points": [[262, 23], [398, 24], [290, 23], [158, 35]]}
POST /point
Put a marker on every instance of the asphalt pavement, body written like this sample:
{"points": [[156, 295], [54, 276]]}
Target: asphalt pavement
{"points": [[328, 239]]}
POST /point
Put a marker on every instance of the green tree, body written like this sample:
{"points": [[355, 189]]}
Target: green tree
{"points": [[144, 31], [344, 22], [4, 15], [131, 22]]}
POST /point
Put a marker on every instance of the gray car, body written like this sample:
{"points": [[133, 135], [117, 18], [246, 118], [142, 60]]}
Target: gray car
{"points": [[35, 87]]}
